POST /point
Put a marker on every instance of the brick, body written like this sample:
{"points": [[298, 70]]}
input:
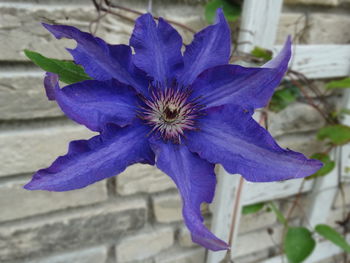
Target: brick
{"points": [[85, 227], [142, 178], [297, 117], [30, 35], [21, 26], [26, 203], [290, 24], [305, 143], [167, 208], [255, 257], [184, 238], [257, 241], [313, 2], [144, 245], [25, 151], [23, 97], [184, 235], [321, 86], [119, 32], [256, 221], [90, 255], [329, 29], [189, 256]]}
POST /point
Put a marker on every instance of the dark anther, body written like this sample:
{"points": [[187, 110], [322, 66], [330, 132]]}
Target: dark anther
{"points": [[170, 114]]}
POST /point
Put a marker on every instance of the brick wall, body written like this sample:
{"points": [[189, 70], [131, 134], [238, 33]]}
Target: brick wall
{"points": [[136, 217]]}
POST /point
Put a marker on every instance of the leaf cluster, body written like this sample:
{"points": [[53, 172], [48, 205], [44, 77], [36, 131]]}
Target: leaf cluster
{"points": [[300, 242]]}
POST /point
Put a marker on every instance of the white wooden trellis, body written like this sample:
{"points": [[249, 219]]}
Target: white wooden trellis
{"points": [[259, 23]]}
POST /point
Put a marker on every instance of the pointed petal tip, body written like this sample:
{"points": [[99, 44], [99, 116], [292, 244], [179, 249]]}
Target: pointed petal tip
{"points": [[30, 186], [52, 30], [50, 85], [36, 183], [316, 164], [48, 27], [281, 61], [27, 186], [220, 16], [288, 43], [213, 243]]}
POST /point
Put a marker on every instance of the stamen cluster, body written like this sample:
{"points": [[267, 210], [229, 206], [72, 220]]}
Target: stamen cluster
{"points": [[171, 111]]}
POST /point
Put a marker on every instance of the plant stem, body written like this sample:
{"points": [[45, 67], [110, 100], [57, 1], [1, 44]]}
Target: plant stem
{"points": [[235, 211]]}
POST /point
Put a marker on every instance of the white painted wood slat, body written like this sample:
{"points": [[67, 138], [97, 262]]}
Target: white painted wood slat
{"points": [[322, 195], [260, 19], [261, 192], [222, 209], [262, 32], [320, 61]]}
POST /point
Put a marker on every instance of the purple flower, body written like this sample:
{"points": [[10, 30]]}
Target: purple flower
{"points": [[184, 113]]}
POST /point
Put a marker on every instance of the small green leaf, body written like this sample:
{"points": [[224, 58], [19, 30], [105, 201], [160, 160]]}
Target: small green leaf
{"points": [[344, 111], [68, 71], [328, 165], [283, 97], [338, 134], [298, 244], [343, 83], [262, 53], [278, 213], [340, 113], [250, 209], [333, 236], [231, 10]]}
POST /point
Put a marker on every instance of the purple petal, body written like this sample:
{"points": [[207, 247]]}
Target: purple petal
{"points": [[196, 181], [89, 161], [94, 103], [281, 61], [231, 84], [250, 88], [210, 48], [50, 83], [228, 135], [157, 48], [100, 60]]}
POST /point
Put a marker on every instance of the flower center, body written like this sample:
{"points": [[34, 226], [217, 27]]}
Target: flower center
{"points": [[170, 112]]}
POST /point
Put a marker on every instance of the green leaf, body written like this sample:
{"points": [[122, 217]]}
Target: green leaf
{"points": [[278, 213], [262, 53], [344, 112], [250, 209], [340, 113], [328, 165], [298, 244], [343, 83], [68, 71], [338, 134], [231, 10], [283, 97], [333, 236]]}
